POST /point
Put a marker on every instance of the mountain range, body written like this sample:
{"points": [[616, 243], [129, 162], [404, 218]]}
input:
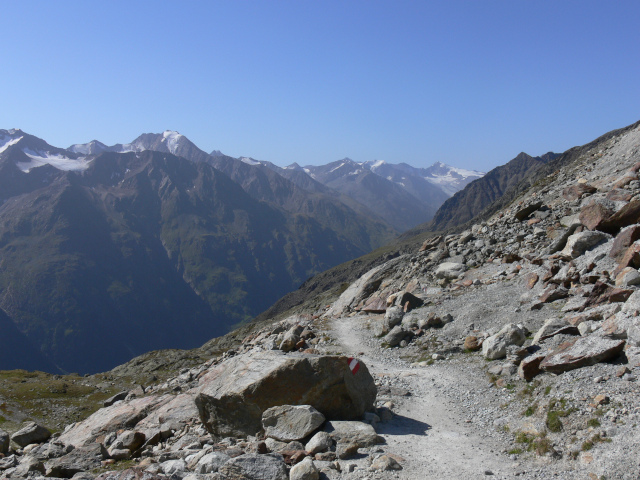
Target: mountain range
{"points": [[111, 251]]}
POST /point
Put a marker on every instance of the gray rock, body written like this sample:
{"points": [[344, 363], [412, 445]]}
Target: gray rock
{"points": [[385, 463], [171, 467], [234, 394], [362, 434], [305, 470], [496, 345], [80, 459], [115, 398], [211, 462], [395, 336], [320, 442], [291, 422], [450, 270], [393, 317], [255, 467], [550, 327], [581, 352], [31, 433], [579, 243], [28, 464], [291, 337]]}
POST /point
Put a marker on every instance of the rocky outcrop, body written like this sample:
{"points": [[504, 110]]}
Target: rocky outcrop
{"points": [[581, 352]]}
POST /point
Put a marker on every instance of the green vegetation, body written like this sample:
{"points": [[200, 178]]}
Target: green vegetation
{"points": [[556, 412], [593, 422]]}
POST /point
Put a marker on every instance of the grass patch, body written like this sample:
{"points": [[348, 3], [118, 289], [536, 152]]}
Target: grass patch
{"points": [[593, 422], [547, 390], [531, 409], [557, 411], [515, 451]]}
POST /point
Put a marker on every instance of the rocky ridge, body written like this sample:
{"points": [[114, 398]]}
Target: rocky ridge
{"points": [[510, 349]]}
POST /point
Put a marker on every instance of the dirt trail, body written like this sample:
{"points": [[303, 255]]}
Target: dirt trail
{"points": [[428, 430]]}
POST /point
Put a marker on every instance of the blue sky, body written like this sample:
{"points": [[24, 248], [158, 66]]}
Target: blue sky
{"points": [[468, 83]]}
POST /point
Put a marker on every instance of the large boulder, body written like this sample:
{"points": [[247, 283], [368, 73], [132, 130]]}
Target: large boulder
{"points": [[350, 432], [291, 422], [172, 415], [581, 352], [31, 433], [234, 394], [496, 345], [78, 460]]}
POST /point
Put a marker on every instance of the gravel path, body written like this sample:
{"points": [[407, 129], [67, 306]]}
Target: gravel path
{"points": [[429, 430]]}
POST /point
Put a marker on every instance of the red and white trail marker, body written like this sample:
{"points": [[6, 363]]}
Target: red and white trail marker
{"points": [[354, 365]]}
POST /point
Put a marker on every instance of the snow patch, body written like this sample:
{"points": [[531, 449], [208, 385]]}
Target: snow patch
{"points": [[249, 161], [172, 138], [377, 164], [6, 142], [55, 160], [336, 168]]}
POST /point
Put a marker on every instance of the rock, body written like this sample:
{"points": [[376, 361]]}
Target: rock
{"points": [[28, 464], [211, 462], [172, 414], [574, 192], [554, 326], [496, 345], [553, 293], [291, 338], [234, 394], [359, 433], [395, 336], [624, 240], [601, 399], [578, 243], [531, 279], [393, 317], [595, 214], [385, 463], [472, 343], [78, 460], [618, 195], [630, 258], [450, 270], [31, 433], [408, 298], [291, 422], [524, 212], [174, 467], [4, 442], [119, 453], [603, 293], [628, 276], [582, 352], [255, 467], [375, 305], [305, 470], [130, 474], [124, 414], [320, 442], [627, 215], [346, 450], [530, 366], [115, 398]]}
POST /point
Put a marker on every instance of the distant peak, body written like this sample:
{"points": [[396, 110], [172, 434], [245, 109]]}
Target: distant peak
{"points": [[217, 153]]}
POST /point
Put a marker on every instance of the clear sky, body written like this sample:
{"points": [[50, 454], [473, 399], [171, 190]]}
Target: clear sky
{"points": [[470, 83]]}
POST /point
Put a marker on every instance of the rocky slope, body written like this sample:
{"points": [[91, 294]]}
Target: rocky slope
{"points": [[509, 349]]}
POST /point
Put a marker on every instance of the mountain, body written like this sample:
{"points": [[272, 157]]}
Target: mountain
{"points": [[108, 255], [480, 193]]}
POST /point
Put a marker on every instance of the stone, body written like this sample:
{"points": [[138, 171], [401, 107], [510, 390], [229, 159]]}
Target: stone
{"points": [[409, 298], [524, 212], [233, 394], [595, 214], [601, 399], [375, 305], [125, 414], [4, 442], [174, 467], [173, 414], [115, 398], [619, 195], [291, 422], [530, 366], [31, 433], [320, 442], [531, 279], [359, 433], [472, 343], [627, 215], [252, 466], [305, 470], [628, 276], [450, 270], [346, 450], [552, 327], [578, 243], [385, 463], [395, 336], [211, 462], [553, 293], [393, 317], [80, 459], [496, 345], [131, 474], [28, 464], [630, 258], [624, 240], [582, 352], [574, 192], [291, 338], [131, 440]]}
